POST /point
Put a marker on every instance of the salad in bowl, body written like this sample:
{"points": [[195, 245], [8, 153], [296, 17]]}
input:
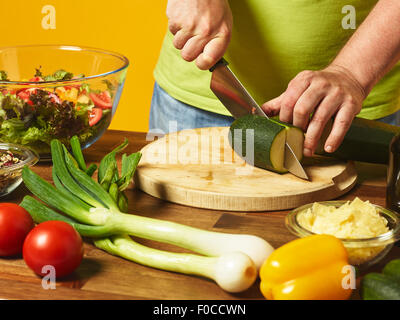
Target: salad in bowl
{"points": [[59, 103]]}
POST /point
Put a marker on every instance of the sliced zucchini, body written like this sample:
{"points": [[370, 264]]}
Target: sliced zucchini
{"points": [[294, 138], [269, 141]]}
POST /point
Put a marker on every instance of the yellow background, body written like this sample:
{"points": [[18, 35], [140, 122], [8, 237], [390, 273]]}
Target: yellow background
{"points": [[134, 28]]}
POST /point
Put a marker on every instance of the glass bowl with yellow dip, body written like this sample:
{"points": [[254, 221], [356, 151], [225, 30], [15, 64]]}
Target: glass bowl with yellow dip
{"points": [[367, 231]]}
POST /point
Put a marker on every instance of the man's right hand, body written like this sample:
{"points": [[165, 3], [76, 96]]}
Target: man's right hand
{"points": [[201, 29]]}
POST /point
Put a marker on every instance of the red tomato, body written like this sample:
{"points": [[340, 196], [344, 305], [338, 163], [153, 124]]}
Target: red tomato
{"points": [[5, 91], [102, 99], [15, 224], [77, 86], [95, 116], [36, 79], [25, 95], [54, 243]]}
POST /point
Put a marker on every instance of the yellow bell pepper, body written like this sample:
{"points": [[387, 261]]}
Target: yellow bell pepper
{"points": [[309, 268], [70, 94]]}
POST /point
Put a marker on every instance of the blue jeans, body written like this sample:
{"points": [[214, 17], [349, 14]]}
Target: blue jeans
{"points": [[169, 115]]}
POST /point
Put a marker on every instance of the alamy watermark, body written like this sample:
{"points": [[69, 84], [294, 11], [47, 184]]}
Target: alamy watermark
{"points": [[49, 18], [349, 21], [349, 279], [202, 146], [49, 280]]}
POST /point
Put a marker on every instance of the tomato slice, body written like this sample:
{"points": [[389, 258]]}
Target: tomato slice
{"points": [[5, 91], [77, 86], [36, 79], [102, 99], [25, 95], [95, 116]]}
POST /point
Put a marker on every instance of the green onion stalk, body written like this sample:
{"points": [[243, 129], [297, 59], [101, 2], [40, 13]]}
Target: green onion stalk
{"points": [[98, 210]]}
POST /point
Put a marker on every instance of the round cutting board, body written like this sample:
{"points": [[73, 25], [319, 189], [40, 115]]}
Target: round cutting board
{"points": [[199, 168]]}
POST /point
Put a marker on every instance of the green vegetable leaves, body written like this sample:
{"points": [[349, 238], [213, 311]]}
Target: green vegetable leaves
{"points": [[77, 152], [382, 286], [49, 113], [109, 160], [3, 76], [110, 179], [41, 213], [14, 107], [47, 118], [59, 75], [129, 164], [75, 192], [38, 72], [61, 118]]}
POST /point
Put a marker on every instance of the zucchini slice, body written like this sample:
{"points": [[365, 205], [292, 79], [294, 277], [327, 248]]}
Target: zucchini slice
{"points": [[269, 141], [294, 138]]}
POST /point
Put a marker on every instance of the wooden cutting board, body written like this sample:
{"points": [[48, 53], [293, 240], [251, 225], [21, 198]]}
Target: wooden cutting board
{"points": [[199, 168]]}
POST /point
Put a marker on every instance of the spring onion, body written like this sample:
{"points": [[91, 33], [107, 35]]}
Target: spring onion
{"points": [[109, 161], [77, 152], [233, 272], [200, 241], [96, 213]]}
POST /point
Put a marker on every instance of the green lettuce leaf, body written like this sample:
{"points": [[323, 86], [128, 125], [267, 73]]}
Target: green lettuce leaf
{"points": [[59, 75]]}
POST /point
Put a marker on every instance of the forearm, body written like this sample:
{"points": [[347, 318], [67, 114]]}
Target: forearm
{"points": [[375, 47]]}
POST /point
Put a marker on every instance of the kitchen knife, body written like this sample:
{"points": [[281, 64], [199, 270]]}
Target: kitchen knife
{"points": [[234, 96]]}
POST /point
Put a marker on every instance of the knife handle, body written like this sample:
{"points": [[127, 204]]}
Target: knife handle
{"points": [[221, 61]]}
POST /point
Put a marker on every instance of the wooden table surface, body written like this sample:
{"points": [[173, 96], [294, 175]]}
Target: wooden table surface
{"points": [[102, 276]]}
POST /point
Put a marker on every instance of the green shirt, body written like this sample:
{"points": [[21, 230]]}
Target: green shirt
{"points": [[272, 41]]}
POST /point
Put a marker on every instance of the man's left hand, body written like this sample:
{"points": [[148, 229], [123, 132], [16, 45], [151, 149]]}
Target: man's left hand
{"points": [[333, 91]]}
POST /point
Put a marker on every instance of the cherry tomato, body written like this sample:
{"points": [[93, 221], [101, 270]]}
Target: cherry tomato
{"points": [[54, 243], [95, 116], [15, 224], [102, 99]]}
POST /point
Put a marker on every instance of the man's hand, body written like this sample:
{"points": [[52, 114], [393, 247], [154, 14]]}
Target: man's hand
{"points": [[323, 94], [201, 29]]}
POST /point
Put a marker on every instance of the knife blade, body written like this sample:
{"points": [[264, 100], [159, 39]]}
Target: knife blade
{"points": [[234, 96]]}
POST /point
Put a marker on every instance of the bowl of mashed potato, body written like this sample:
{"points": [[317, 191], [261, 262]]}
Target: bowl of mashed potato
{"points": [[367, 231]]}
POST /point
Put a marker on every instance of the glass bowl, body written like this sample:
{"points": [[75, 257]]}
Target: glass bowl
{"points": [[56, 91], [10, 175], [363, 252]]}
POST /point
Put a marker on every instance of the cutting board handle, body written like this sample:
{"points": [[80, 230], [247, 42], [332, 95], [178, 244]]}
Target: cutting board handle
{"points": [[345, 181]]}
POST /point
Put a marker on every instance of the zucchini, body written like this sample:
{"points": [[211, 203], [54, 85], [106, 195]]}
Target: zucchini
{"points": [[366, 140], [377, 286], [270, 137], [294, 138]]}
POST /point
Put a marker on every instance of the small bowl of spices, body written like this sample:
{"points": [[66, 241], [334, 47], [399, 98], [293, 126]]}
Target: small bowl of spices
{"points": [[13, 158]]}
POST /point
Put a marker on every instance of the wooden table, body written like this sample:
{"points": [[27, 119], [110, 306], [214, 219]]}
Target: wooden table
{"points": [[102, 276]]}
